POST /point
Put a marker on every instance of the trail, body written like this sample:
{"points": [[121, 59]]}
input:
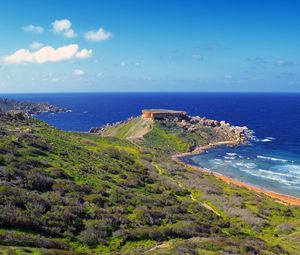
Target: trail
{"points": [[180, 184]]}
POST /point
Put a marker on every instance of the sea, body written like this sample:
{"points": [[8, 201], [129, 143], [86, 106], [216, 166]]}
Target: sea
{"points": [[270, 161]]}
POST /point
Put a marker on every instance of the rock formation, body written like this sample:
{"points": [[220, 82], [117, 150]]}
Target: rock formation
{"points": [[160, 114]]}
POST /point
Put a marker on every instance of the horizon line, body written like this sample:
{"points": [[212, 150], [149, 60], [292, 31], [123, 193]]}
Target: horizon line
{"points": [[154, 92]]}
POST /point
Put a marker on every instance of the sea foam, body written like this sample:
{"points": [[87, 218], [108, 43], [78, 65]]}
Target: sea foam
{"points": [[231, 154], [273, 159]]}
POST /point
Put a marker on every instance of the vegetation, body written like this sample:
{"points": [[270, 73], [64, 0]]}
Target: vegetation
{"points": [[166, 138], [72, 193]]}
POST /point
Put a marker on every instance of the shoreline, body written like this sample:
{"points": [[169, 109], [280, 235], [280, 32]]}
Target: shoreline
{"points": [[279, 197]]}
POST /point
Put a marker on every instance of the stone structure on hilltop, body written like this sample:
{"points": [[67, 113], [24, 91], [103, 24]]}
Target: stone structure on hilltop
{"points": [[160, 114]]}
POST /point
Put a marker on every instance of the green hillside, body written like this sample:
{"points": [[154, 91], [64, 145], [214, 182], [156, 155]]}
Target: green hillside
{"points": [[72, 193], [133, 129]]}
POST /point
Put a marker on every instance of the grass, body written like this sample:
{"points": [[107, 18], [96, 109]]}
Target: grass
{"points": [[160, 140], [70, 193]]}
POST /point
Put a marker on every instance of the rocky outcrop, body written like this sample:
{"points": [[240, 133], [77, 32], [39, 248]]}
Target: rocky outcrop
{"points": [[228, 131], [161, 114], [28, 107]]}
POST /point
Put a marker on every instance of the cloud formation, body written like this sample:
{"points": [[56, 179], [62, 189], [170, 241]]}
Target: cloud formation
{"points": [[63, 27], [47, 54], [33, 29], [98, 35], [78, 72], [36, 45]]}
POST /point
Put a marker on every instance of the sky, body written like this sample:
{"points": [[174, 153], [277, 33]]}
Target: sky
{"points": [[142, 45]]}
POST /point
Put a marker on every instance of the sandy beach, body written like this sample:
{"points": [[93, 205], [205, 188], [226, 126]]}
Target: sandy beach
{"points": [[280, 198]]}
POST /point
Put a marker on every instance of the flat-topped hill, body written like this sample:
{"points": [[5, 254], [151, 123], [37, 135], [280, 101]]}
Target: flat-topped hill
{"points": [[172, 131], [156, 114]]}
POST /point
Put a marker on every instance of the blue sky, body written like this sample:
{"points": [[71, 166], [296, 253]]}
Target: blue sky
{"points": [[166, 45]]}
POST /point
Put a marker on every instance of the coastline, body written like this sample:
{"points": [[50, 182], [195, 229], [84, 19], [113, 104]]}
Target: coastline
{"points": [[279, 197]]}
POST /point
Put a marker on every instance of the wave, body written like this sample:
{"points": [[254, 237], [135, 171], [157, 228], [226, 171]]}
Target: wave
{"points": [[229, 157], [289, 168], [231, 154], [280, 174], [273, 159], [270, 138], [255, 139], [266, 140], [271, 177], [247, 165], [217, 159]]}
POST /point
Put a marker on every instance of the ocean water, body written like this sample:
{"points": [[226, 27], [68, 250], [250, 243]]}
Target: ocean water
{"points": [[271, 161]]}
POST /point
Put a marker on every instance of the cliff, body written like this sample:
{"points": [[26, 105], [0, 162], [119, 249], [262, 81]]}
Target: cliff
{"points": [[160, 114]]}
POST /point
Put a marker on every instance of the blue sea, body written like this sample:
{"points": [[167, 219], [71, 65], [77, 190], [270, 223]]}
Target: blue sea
{"points": [[271, 161]]}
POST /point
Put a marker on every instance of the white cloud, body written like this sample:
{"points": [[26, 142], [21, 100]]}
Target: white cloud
{"points": [[33, 29], [98, 35], [78, 72], [36, 45], [228, 76], [70, 33], [47, 54], [137, 64], [63, 27], [84, 53]]}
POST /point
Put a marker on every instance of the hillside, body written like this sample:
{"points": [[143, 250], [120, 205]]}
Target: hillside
{"points": [[28, 107], [72, 193], [133, 129]]}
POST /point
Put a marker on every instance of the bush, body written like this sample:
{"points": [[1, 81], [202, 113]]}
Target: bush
{"points": [[13, 238], [39, 181], [94, 233], [2, 160]]}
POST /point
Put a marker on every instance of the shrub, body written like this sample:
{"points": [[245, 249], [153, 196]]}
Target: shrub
{"points": [[94, 233], [2, 160], [39, 181]]}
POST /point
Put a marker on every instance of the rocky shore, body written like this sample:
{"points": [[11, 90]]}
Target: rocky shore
{"points": [[229, 132], [30, 108]]}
